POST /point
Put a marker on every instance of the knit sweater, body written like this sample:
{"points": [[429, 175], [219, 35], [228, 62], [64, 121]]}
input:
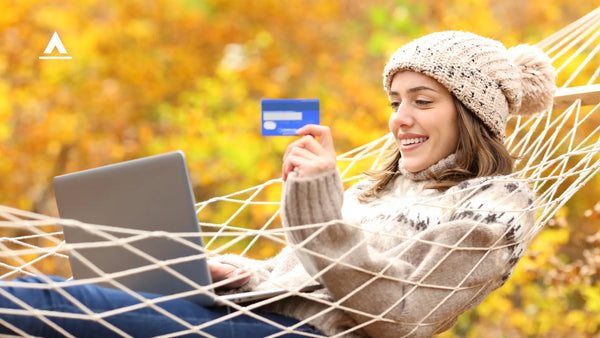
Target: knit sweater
{"points": [[405, 264]]}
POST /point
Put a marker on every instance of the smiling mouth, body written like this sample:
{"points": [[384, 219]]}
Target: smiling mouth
{"points": [[409, 141]]}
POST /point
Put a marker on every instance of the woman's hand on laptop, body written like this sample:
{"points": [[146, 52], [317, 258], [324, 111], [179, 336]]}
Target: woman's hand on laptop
{"points": [[220, 272]]}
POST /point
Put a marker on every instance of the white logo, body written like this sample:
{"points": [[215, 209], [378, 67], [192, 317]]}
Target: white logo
{"points": [[55, 43]]}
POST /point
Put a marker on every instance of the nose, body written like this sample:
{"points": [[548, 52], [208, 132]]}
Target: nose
{"points": [[401, 118]]}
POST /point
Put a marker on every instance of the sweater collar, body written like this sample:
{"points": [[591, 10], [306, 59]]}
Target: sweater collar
{"points": [[424, 175]]}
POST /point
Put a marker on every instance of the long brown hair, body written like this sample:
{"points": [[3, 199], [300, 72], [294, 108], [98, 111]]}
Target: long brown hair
{"points": [[478, 154]]}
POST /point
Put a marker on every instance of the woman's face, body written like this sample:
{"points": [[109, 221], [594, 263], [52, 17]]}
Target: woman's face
{"points": [[423, 120]]}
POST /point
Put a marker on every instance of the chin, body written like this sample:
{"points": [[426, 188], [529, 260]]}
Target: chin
{"points": [[414, 168]]}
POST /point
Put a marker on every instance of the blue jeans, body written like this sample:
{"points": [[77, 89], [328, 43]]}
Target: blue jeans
{"points": [[143, 322]]}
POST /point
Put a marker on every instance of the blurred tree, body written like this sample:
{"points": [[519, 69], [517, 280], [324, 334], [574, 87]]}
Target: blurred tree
{"points": [[148, 77]]}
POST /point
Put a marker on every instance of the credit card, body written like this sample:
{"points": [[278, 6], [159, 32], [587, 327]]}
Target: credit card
{"points": [[282, 117]]}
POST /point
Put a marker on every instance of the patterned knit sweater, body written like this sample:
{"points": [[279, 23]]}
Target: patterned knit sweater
{"points": [[405, 264]]}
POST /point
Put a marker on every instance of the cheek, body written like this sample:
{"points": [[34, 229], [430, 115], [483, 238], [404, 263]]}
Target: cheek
{"points": [[455, 137], [446, 128], [452, 134], [453, 126], [391, 123]]}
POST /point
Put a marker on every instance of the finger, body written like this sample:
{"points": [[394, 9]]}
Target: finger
{"points": [[296, 144], [314, 130], [323, 133], [322, 148], [220, 272], [293, 164], [308, 164], [286, 166], [293, 147], [308, 129], [285, 170], [313, 146], [310, 151], [238, 278], [296, 158]]}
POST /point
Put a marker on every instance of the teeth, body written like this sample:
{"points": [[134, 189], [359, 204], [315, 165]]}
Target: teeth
{"points": [[408, 141]]}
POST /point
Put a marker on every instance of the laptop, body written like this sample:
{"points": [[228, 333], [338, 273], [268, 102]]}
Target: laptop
{"points": [[152, 194]]}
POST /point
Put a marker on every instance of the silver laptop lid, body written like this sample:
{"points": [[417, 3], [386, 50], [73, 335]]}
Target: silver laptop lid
{"points": [[150, 194]]}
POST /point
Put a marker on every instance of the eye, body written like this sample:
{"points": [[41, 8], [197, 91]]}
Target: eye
{"points": [[423, 102], [395, 105]]}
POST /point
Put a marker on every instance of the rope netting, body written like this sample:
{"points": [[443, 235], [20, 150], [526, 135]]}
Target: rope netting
{"points": [[558, 153]]}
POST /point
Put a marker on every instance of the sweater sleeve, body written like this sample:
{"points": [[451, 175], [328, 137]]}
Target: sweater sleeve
{"points": [[312, 200], [425, 282], [325, 204]]}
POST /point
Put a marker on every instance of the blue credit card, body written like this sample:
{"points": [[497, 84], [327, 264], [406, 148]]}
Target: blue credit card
{"points": [[283, 117]]}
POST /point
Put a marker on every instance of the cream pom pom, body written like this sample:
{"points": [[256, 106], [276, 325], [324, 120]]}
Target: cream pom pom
{"points": [[538, 79]]}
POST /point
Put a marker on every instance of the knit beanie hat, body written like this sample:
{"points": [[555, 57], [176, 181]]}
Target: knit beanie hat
{"points": [[490, 80]]}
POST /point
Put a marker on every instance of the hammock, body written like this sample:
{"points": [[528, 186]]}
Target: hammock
{"points": [[558, 153]]}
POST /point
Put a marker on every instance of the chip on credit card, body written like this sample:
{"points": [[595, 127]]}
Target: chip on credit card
{"points": [[282, 117]]}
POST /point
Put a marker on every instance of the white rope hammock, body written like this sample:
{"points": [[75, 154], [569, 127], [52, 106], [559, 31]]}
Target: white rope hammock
{"points": [[559, 152]]}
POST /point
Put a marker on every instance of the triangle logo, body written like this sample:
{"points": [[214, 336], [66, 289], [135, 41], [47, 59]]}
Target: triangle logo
{"points": [[55, 43]]}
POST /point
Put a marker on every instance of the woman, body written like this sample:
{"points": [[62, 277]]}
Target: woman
{"points": [[406, 251]]}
